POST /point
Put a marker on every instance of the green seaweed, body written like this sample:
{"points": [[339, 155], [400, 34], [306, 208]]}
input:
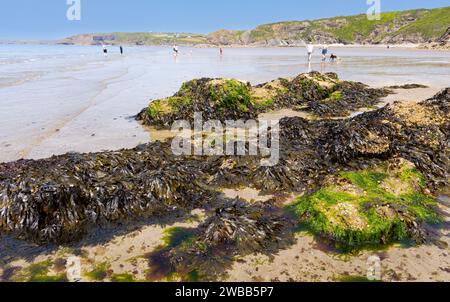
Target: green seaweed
{"points": [[176, 236], [335, 96], [179, 103], [264, 104], [160, 267], [123, 278], [232, 95], [193, 276], [100, 272], [39, 272], [154, 108], [365, 224]]}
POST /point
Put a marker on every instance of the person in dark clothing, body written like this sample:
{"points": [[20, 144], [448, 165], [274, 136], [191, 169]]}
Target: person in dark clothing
{"points": [[324, 53], [121, 50]]}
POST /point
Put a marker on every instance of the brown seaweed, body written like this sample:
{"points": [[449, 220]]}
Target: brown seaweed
{"points": [[407, 86], [57, 199], [236, 229]]}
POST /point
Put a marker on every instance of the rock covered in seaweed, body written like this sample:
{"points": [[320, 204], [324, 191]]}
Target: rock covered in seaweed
{"points": [[221, 99], [407, 86], [56, 199], [214, 98], [381, 204], [418, 132], [311, 150], [326, 96]]}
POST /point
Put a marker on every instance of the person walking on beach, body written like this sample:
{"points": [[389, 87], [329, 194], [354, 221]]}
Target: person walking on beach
{"points": [[310, 49], [324, 53], [175, 50], [121, 50], [221, 51], [105, 51]]}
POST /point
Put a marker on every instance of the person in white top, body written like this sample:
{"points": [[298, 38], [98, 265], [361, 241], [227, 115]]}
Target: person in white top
{"points": [[310, 49]]}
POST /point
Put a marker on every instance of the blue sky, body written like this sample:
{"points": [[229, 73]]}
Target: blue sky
{"points": [[46, 19]]}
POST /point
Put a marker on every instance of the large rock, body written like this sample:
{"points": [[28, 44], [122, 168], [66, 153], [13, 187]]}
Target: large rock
{"points": [[227, 99]]}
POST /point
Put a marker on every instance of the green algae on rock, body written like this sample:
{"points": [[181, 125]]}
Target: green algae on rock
{"points": [[39, 272], [215, 98], [379, 205], [99, 272]]}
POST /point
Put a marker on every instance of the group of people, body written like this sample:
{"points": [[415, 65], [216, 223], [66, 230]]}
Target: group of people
{"points": [[105, 50], [310, 50]]}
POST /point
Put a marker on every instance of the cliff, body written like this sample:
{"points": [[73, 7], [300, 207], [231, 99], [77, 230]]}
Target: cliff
{"points": [[421, 26]]}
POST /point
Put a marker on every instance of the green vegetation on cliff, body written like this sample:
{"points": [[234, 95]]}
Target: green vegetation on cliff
{"points": [[431, 26], [415, 26], [412, 26]]}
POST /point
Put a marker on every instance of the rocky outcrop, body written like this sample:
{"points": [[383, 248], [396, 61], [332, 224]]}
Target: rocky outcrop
{"points": [[324, 95], [227, 37], [445, 37], [58, 199], [443, 42]]}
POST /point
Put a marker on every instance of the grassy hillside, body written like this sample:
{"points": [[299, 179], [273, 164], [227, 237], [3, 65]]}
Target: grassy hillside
{"points": [[159, 38], [412, 26], [431, 25], [415, 26], [139, 38]]}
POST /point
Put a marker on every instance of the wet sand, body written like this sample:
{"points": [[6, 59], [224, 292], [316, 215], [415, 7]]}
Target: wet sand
{"points": [[78, 101]]}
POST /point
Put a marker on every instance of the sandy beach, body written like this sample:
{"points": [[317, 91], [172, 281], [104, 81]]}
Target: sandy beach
{"points": [[58, 99], [126, 251]]}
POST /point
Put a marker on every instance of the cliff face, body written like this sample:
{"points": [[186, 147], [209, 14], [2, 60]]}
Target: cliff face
{"points": [[445, 37]]}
